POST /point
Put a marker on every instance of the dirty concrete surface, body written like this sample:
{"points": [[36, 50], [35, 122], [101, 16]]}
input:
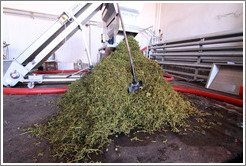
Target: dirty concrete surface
{"points": [[222, 143]]}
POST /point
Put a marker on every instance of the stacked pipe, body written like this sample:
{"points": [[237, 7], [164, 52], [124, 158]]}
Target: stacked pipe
{"points": [[192, 58]]}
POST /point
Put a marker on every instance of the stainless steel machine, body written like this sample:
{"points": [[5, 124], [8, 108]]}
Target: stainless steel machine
{"points": [[69, 22]]}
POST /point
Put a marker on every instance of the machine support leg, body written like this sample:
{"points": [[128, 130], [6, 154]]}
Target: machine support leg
{"points": [[86, 47]]}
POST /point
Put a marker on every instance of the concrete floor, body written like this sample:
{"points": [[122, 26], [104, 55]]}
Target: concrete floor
{"points": [[221, 144]]}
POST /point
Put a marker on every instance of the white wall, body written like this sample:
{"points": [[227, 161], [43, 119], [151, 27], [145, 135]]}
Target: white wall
{"points": [[176, 20], [148, 16], [180, 20], [21, 31]]}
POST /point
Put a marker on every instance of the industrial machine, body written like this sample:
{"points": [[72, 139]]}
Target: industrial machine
{"points": [[69, 22]]}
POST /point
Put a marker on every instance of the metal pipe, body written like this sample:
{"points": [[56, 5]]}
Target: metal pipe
{"points": [[182, 57], [190, 58], [90, 39], [60, 76], [237, 32], [187, 74], [58, 71], [205, 42], [88, 68], [54, 80], [186, 64], [230, 48], [86, 48], [60, 80], [227, 53], [224, 58], [143, 30]]}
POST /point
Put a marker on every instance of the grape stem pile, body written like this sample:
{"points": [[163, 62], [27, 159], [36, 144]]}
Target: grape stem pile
{"points": [[99, 105]]}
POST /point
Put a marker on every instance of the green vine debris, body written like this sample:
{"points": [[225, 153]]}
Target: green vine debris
{"points": [[99, 105]]}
